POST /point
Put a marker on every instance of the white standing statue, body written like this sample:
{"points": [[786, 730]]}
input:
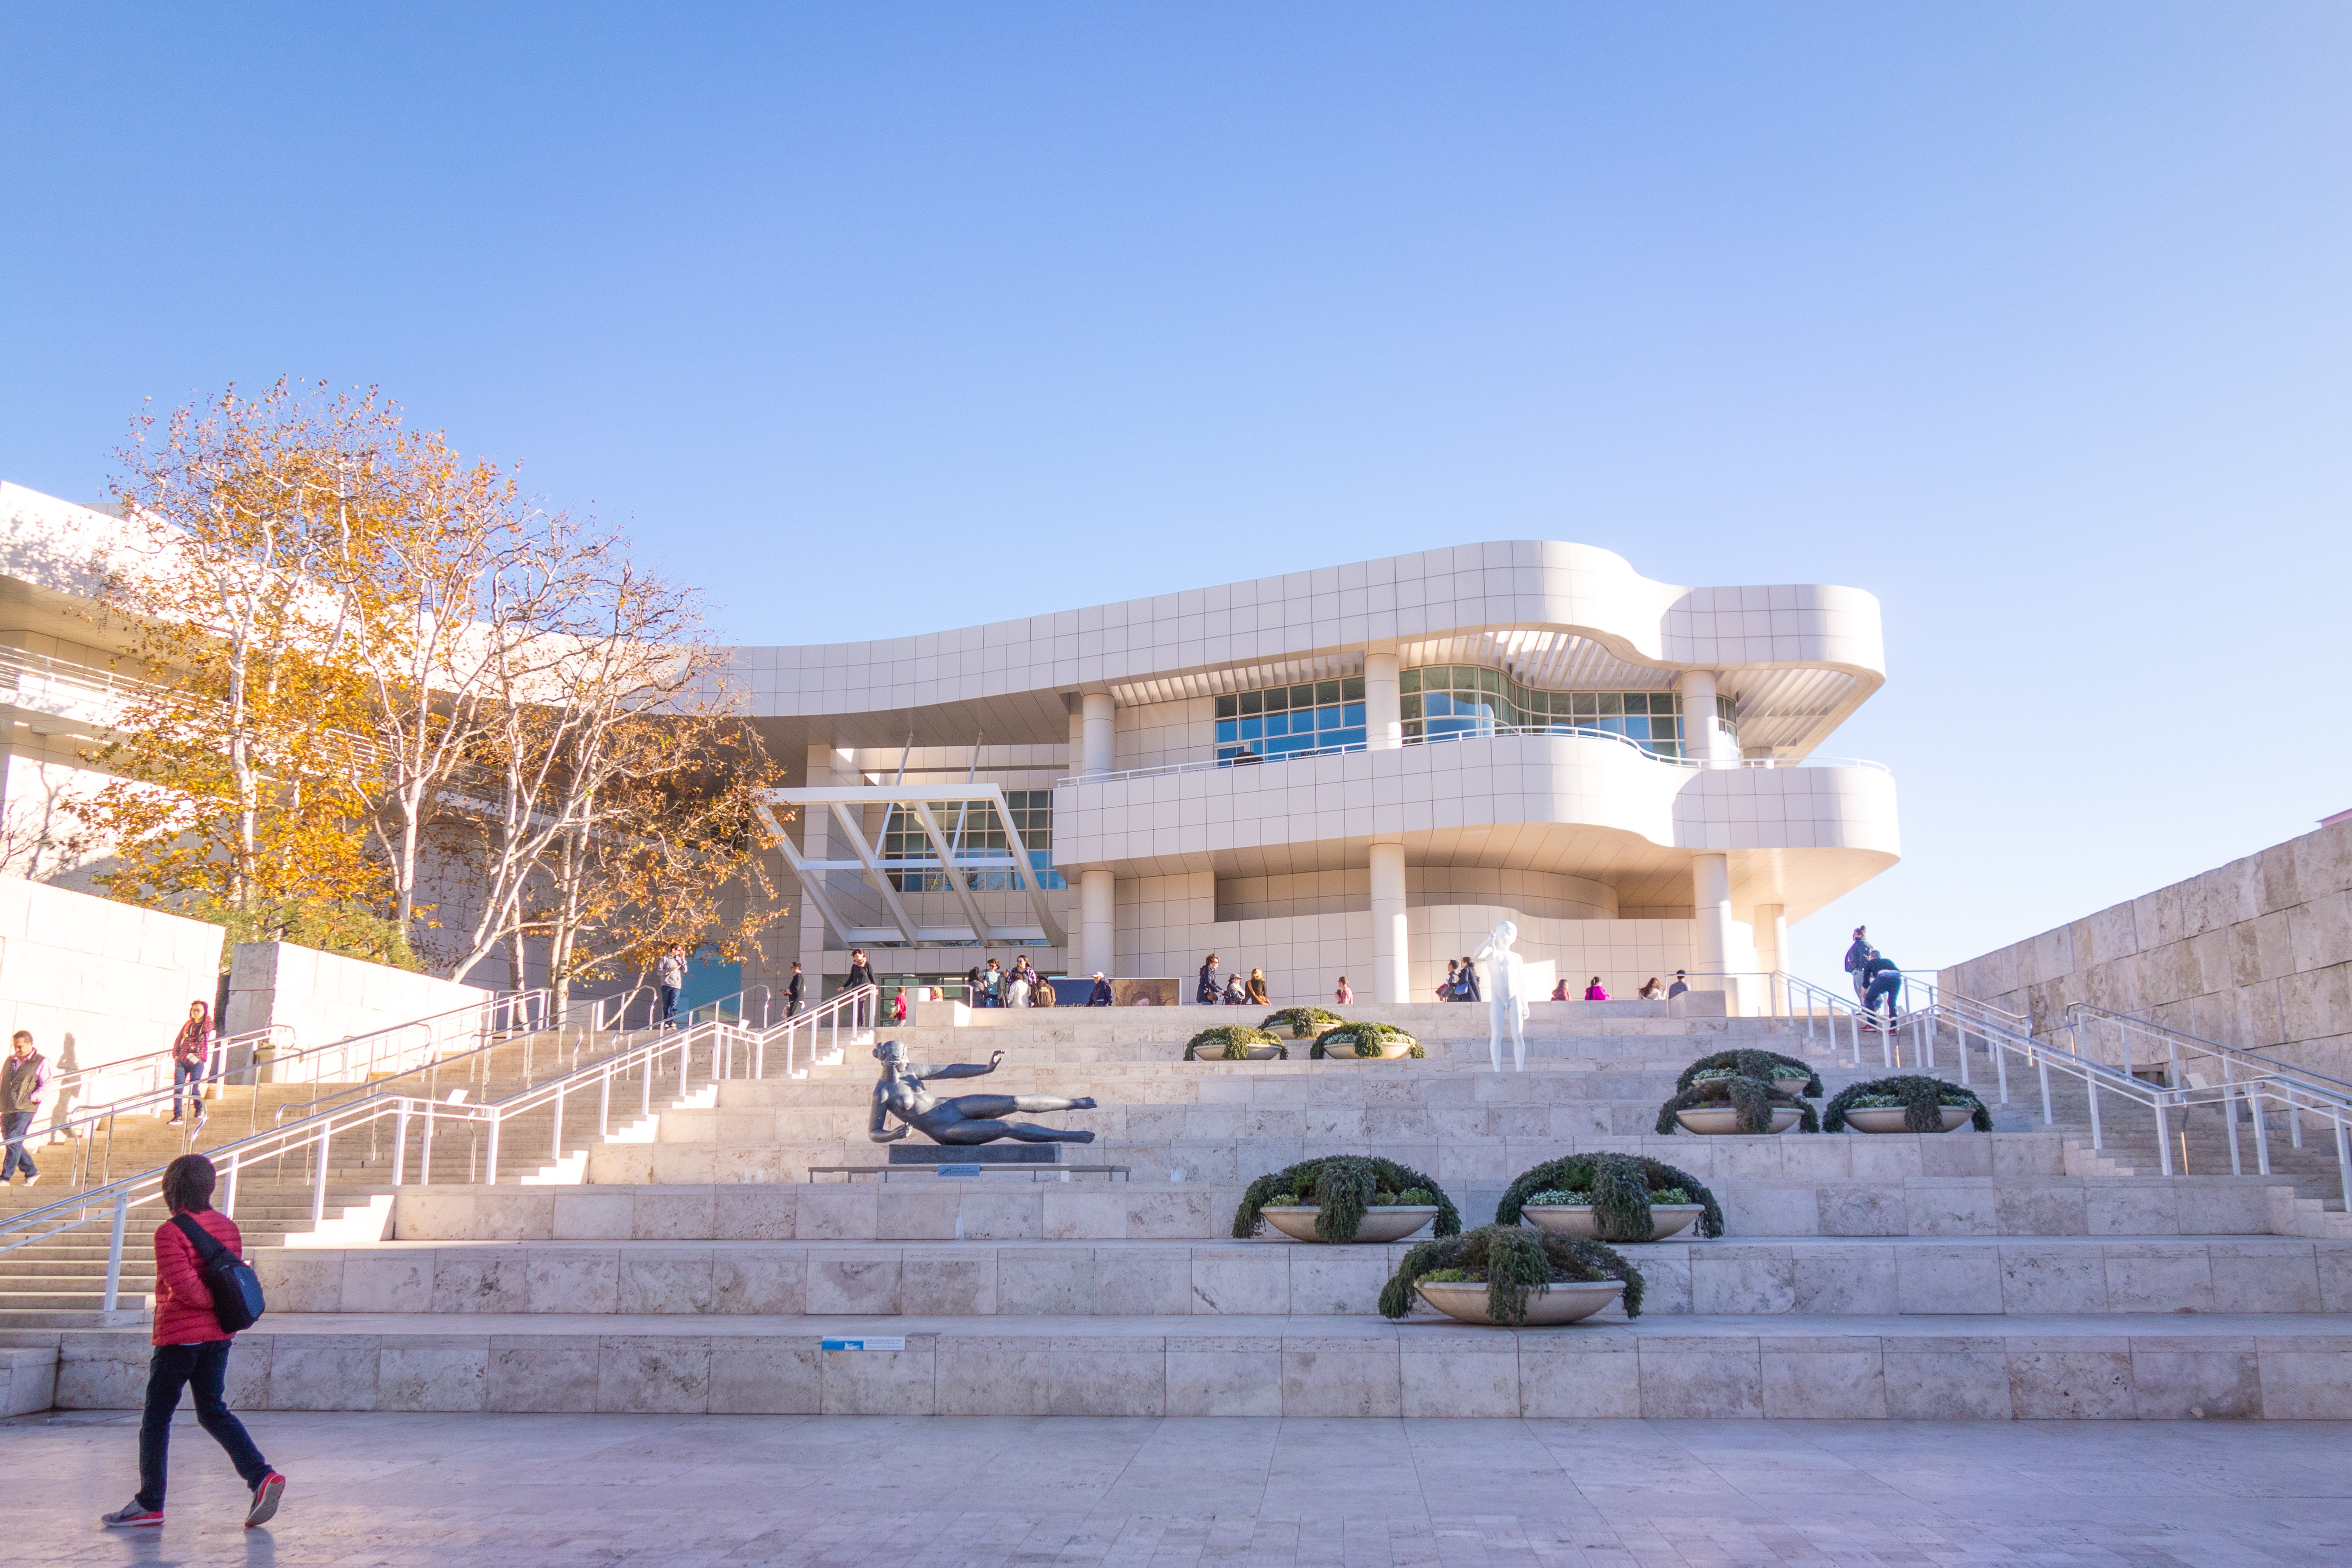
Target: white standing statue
{"points": [[1507, 994]]}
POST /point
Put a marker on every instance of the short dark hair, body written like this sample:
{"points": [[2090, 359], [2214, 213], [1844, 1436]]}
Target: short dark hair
{"points": [[188, 1185], [20, 1035]]}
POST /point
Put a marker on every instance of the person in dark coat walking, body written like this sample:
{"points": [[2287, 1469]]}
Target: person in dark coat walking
{"points": [[191, 1352], [795, 989], [1466, 984], [1857, 962], [860, 973], [1100, 995], [1212, 991]]}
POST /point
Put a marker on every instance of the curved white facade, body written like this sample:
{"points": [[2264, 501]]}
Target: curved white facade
{"points": [[1101, 728]]}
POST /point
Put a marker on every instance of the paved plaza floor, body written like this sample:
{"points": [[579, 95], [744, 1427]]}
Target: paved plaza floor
{"points": [[943, 1492]]}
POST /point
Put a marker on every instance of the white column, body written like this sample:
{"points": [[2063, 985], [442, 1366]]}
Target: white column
{"points": [[1101, 740], [1383, 706], [1711, 895], [1772, 951], [1390, 982], [1078, 744], [1703, 737], [1096, 948]]}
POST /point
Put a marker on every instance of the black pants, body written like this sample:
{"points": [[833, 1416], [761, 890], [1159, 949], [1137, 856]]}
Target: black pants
{"points": [[203, 1368]]}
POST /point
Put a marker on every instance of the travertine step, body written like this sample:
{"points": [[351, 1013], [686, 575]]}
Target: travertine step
{"points": [[1824, 1275], [1011, 1207], [1451, 1159], [2155, 1367]]}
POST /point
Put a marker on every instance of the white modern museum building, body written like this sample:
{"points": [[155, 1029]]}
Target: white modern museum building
{"points": [[1354, 771]]}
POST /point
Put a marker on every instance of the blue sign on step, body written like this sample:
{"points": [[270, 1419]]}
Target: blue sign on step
{"points": [[871, 1342], [959, 1170]]}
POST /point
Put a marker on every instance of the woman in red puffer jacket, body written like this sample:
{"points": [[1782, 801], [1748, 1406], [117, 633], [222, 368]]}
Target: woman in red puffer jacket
{"points": [[191, 1349]]}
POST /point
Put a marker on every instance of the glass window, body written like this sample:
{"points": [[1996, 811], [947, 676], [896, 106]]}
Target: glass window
{"points": [[1352, 689], [1409, 707], [1253, 702], [1279, 723], [1228, 729], [1326, 691], [1252, 729], [1303, 696], [1278, 699], [1229, 707], [1408, 682], [1353, 716], [1328, 718]]}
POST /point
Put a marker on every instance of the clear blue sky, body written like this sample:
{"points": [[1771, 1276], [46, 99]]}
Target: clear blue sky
{"points": [[2035, 321]]}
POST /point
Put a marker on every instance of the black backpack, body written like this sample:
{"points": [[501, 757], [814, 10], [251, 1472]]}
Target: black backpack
{"points": [[236, 1288]]}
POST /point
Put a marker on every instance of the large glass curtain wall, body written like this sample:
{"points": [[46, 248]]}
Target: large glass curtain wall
{"points": [[974, 828], [1291, 720], [1464, 699]]}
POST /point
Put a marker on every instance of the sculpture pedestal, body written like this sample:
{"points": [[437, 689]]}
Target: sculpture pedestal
{"points": [[976, 1154]]}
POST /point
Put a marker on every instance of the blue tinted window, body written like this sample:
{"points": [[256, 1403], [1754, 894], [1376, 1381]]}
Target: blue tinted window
{"points": [[1252, 728], [1229, 729]]}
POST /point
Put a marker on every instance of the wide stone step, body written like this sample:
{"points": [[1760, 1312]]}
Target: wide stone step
{"points": [[1463, 1160], [1830, 1276], [2149, 1366], [1010, 1207]]}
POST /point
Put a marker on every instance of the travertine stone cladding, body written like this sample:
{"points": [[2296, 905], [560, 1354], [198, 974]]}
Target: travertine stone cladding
{"points": [[2256, 953]]}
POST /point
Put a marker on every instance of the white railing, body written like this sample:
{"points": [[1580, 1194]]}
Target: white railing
{"points": [[99, 1086], [1499, 732], [726, 1048]]}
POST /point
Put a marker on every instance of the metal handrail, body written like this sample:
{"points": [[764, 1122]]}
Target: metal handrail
{"points": [[1498, 731], [642, 1061], [116, 1199], [151, 1062], [2273, 1089]]}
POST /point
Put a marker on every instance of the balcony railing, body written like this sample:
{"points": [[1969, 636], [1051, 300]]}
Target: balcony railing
{"points": [[1496, 732]]}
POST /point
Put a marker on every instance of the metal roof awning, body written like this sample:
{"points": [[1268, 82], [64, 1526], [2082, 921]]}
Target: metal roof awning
{"points": [[919, 802]]}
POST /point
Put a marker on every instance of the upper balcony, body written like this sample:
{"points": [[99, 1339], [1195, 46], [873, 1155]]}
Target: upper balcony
{"points": [[1578, 803]]}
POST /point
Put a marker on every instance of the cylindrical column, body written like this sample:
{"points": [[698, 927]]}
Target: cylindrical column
{"points": [[1384, 707], [1772, 953], [1704, 741], [1095, 903], [1711, 896], [1101, 732], [1389, 978]]}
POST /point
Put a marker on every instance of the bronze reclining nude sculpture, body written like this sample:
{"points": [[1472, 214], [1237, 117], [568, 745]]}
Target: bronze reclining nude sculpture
{"points": [[965, 1119]]}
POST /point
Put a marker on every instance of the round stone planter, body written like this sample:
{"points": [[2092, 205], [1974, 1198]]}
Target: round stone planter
{"points": [[1576, 1219], [1563, 1303], [1393, 1223], [1719, 1119], [1257, 1054], [1889, 1118], [1389, 1053]]}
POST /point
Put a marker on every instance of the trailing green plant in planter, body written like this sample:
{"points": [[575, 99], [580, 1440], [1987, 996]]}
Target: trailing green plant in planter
{"points": [[1754, 1099], [1922, 1098], [1619, 1187], [1765, 1065], [1304, 1022], [1364, 1041], [1513, 1263], [1232, 1043], [1343, 1187]]}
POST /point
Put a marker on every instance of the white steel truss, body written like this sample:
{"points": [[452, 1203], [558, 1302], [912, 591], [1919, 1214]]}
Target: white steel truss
{"points": [[847, 803]]}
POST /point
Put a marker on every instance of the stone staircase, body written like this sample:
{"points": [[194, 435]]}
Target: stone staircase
{"points": [[695, 1265], [60, 1282]]}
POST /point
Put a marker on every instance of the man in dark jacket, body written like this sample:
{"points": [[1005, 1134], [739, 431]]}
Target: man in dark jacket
{"points": [[1882, 982], [191, 1351], [794, 990], [1212, 991], [1100, 995]]}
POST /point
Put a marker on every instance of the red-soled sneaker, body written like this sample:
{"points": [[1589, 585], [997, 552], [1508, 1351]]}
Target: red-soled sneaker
{"points": [[130, 1516], [264, 1500]]}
